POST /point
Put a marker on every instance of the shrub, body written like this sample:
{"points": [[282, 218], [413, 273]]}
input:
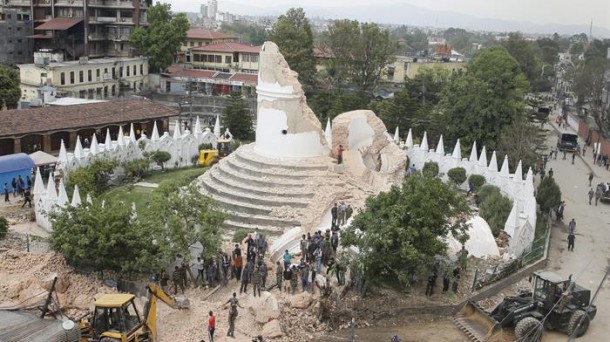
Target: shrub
{"points": [[430, 170], [137, 168], [495, 210], [240, 235], [205, 146], [457, 175], [549, 194], [477, 181], [486, 191], [93, 178], [3, 227], [161, 157]]}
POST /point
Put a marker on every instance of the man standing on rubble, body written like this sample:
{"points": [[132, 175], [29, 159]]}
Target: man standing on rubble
{"points": [[256, 281], [233, 304], [333, 214], [279, 273]]}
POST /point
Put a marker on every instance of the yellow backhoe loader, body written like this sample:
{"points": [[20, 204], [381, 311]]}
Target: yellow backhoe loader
{"points": [[211, 157], [116, 318]]}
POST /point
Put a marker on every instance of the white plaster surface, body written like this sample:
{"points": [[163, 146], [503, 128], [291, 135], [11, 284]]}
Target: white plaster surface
{"points": [[360, 133], [481, 242]]}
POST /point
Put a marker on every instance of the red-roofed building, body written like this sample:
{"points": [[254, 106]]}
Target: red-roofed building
{"points": [[198, 37], [229, 57]]}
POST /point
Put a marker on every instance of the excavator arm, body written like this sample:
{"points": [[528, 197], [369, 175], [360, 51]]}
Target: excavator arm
{"points": [[150, 312]]}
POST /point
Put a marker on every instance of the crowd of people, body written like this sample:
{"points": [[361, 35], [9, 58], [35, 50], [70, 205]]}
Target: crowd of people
{"points": [[20, 187]]}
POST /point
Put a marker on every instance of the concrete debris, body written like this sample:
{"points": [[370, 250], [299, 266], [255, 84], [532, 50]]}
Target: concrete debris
{"points": [[273, 329], [301, 301]]}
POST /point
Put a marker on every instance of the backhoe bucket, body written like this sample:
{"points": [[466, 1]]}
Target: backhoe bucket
{"points": [[477, 324]]}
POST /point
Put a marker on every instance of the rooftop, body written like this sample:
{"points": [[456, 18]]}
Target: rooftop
{"points": [[179, 72], [17, 122], [201, 33], [228, 47]]}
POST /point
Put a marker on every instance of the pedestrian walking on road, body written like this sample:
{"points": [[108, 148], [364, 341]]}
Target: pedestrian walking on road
{"points": [[6, 194], [584, 150], [551, 173], [598, 195], [573, 157], [572, 227], [564, 154], [591, 194], [571, 239], [591, 177], [211, 326]]}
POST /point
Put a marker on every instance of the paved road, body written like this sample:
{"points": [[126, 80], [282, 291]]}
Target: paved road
{"points": [[591, 253]]}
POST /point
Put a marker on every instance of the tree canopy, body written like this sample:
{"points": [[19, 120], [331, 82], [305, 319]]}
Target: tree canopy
{"points": [[10, 93], [361, 53], [402, 229], [163, 36], [292, 34], [548, 195], [92, 179], [237, 118]]}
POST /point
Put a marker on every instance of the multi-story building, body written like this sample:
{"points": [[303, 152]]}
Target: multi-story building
{"points": [[86, 78], [94, 28], [226, 57], [15, 26], [212, 9], [197, 37]]}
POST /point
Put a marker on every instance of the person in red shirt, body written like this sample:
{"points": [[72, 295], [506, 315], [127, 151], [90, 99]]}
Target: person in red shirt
{"points": [[340, 154], [211, 326]]}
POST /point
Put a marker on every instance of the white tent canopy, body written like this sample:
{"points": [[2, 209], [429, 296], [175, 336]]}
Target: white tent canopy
{"points": [[42, 158]]}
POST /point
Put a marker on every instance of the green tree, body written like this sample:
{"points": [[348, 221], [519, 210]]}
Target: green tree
{"points": [[92, 179], [522, 141], [3, 227], [362, 51], [477, 181], [495, 208], [10, 93], [237, 118], [136, 169], [161, 157], [184, 216], [430, 169], [548, 195], [400, 230], [249, 33], [163, 36], [292, 34], [479, 103], [105, 236]]}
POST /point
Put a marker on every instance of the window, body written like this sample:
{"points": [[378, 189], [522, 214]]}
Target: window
{"points": [[63, 78], [192, 43], [245, 58], [120, 72], [71, 77], [142, 69], [89, 73], [135, 70], [217, 59], [113, 73], [228, 59], [97, 73], [127, 70], [197, 58], [254, 58], [81, 76], [199, 43], [19, 40]]}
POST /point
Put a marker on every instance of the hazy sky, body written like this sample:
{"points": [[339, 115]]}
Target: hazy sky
{"points": [[537, 11]]}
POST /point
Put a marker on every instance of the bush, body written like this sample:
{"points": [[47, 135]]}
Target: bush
{"points": [[457, 175], [477, 181], [161, 157], [486, 191], [3, 227], [240, 235], [495, 209], [136, 169], [549, 194], [430, 170], [205, 146], [92, 179]]}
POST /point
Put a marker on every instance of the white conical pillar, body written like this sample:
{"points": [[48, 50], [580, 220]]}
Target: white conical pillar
{"points": [[217, 127], [473, 153], [119, 138], [396, 136], [89, 199], [132, 134], [95, 148], [78, 149], [483, 158], [409, 141], [177, 133], [63, 154], [76, 197], [328, 133], [39, 188], [493, 164], [518, 176], [512, 223], [197, 130], [424, 142], [155, 132], [457, 151], [529, 178], [62, 197], [440, 148], [51, 192], [504, 169], [108, 141]]}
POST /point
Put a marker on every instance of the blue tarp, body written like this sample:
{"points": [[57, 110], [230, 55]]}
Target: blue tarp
{"points": [[13, 166]]}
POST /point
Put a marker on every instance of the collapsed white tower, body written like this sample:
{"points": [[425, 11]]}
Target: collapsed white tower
{"points": [[286, 127]]}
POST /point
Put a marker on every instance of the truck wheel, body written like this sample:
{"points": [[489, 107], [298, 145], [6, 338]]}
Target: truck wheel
{"points": [[579, 323], [528, 329]]}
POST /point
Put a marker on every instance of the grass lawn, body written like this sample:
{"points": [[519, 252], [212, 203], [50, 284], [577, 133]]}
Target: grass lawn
{"points": [[158, 176], [140, 195]]}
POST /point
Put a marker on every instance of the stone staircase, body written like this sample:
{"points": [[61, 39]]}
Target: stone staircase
{"points": [[269, 194]]}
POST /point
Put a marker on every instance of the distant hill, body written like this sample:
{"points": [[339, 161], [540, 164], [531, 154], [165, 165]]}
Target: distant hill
{"points": [[418, 16]]}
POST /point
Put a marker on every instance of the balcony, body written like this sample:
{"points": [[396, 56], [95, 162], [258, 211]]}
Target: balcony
{"points": [[69, 3], [110, 3], [97, 36], [119, 38], [104, 19], [42, 3], [17, 3]]}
